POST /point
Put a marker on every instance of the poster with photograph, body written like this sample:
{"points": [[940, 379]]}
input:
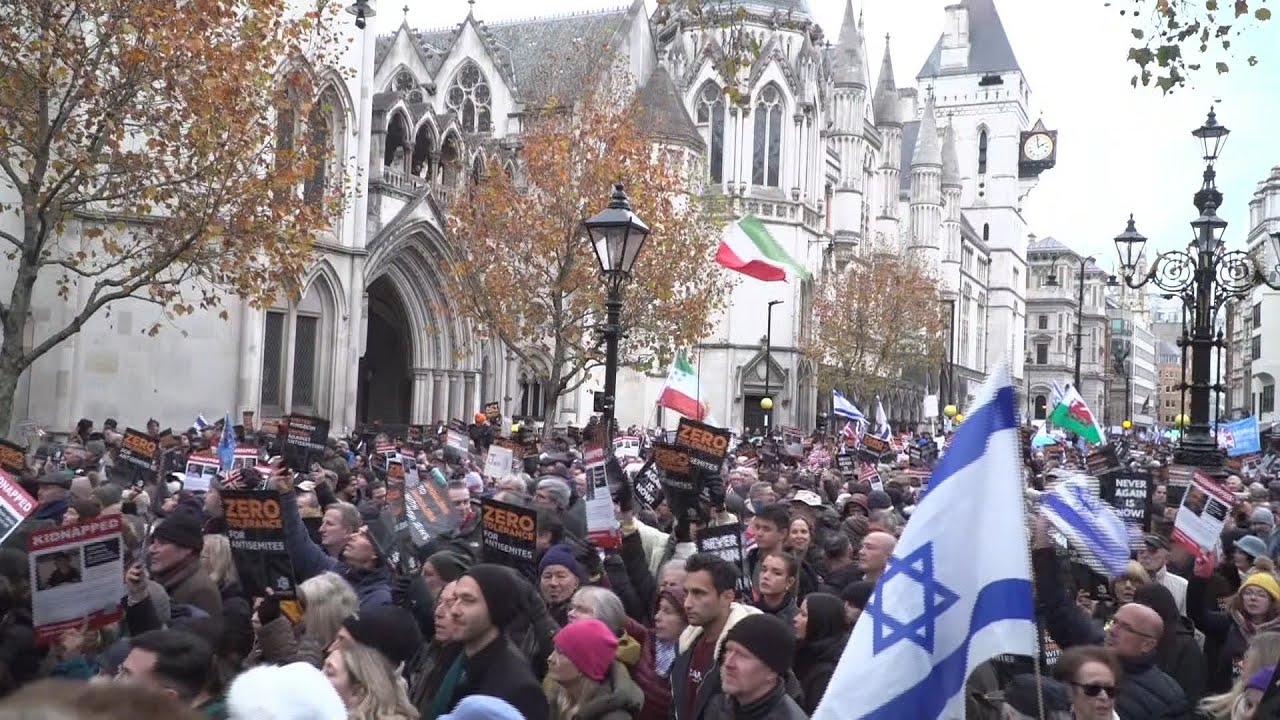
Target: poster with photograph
{"points": [[202, 472], [1202, 514], [602, 523], [77, 576], [15, 505]]}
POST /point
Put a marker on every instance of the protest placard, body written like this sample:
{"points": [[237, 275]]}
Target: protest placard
{"points": [[427, 507], [510, 534], [648, 486], [140, 454], [302, 441], [726, 542], [202, 471], [867, 473], [13, 457], [1102, 460], [1198, 524], [1130, 493], [255, 531], [15, 504], [847, 466], [458, 440], [602, 523], [77, 576], [498, 462], [707, 446], [676, 467]]}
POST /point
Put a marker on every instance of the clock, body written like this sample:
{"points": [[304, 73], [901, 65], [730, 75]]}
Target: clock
{"points": [[1038, 147]]}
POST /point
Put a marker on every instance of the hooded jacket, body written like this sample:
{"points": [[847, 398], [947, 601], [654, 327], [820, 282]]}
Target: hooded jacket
{"points": [[710, 686], [373, 587]]}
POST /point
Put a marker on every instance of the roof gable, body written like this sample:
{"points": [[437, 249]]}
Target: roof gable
{"points": [[990, 52], [663, 114]]}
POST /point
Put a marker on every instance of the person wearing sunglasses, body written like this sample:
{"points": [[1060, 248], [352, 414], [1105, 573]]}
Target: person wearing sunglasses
{"points": [[1091, 673]]}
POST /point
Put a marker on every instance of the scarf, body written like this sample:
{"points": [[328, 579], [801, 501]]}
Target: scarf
{"points": [[664, 653], [174, 576], [452, 680]]}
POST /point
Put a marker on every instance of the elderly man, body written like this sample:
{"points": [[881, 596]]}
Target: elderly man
{"points": [[873, 558]]}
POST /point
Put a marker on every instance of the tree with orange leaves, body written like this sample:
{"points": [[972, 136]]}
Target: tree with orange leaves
{"points": [[140, 158], [877, 321], [525, 272]]}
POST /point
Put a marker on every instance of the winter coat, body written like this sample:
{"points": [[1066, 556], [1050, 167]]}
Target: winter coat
{"points": [[642, 579], [656, 688], [373, 587], [710, 686], [1184, 661], [533, 630], [281, 643], [501, 671], [786, 612], [193, 586], [814, 663], [617, 698], [777, 705]]}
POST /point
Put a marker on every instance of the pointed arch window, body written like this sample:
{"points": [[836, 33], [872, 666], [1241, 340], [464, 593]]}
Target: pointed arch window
{"points": [[710, 117], [296, 363], [982, 151], [767, 162], [469, 96], [320, 140]]}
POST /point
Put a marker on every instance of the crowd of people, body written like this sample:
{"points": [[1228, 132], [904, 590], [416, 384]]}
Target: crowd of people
{"points": [[649, 630]]}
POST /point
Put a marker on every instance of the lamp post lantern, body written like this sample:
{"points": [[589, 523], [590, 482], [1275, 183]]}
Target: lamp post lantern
{"points": [[617, 235], [1205, 276], [362, 10]]}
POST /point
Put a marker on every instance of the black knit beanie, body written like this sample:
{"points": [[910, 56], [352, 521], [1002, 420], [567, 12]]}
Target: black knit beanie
{"points": [[183, 529], [391, 630], [501, 592], [768, 638], [449, 565]]}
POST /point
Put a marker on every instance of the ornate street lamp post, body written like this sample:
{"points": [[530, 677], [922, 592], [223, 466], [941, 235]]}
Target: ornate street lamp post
{"points": [[617, 236], [1205, 277]]}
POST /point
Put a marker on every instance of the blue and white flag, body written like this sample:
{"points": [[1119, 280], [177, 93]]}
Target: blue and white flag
{"points": [[1091, 525], [200, 424], [843, 407], [883, 431], [227, 445], [1042, 438], [957, 591]]}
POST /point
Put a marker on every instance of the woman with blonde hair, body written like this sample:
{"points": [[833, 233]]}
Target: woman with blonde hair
{"points": [[1254, 609], [1263, 650], [220, 565], [326, 600], [587, 682], [368, 685]]}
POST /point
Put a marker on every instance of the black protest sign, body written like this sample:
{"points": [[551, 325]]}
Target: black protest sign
{"points": [[1130, 493], [725, 541], [874, 448], [255, 531], [428, 510], [141, 455], [707, 445], [302, 441], [845, 464], [676, 467], [648, 486], [510, 535], [1102, 460], [13, 458]]}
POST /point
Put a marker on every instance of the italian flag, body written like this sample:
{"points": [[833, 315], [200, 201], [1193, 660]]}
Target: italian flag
{"points": [[748, 248], [1072, 415], [681, 391]]}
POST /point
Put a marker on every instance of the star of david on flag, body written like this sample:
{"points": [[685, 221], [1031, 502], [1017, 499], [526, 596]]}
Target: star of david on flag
{"points": [[957, 590]]}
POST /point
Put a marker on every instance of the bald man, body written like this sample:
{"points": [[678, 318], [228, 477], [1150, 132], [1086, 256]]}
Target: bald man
{"points": [[874, 555], [1145, 692]]}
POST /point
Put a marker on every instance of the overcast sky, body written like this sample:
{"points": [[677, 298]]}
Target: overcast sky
{"points": [[1121, 150]]}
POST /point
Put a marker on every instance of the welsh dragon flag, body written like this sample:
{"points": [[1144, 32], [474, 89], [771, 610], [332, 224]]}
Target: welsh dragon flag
{"points": [[681, 391], [1072, 415]]}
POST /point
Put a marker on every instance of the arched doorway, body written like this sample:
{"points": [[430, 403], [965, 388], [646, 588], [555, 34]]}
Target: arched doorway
{"points": [[386, 381]]}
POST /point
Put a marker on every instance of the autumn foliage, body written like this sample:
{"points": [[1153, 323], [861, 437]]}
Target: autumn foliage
{"points": [[138, 148], [526, 273], [879, 319]]}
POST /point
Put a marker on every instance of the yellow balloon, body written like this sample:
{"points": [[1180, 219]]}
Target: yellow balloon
{"points": [[515, 427], [1126, 425], [766, 403], [951, 411], [959, 417]]}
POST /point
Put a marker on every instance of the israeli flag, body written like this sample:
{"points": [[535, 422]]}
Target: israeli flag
{"points": [[200, 424], [957, 591], [842, 407], [1090, 525], [883, 431]]}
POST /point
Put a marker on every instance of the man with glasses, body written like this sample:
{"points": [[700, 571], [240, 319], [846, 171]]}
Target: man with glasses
{"points": [[1145, 692]]}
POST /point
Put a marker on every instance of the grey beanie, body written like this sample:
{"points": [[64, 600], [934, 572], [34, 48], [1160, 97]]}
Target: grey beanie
{"points": [[557, 489]]}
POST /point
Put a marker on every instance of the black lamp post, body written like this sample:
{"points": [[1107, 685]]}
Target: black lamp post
{"points": [[1052, 281], [766, 402], [362, 10], [617, 235], [1205, 277]]}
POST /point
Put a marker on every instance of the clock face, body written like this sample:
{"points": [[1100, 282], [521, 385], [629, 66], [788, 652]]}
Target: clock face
{"points": [[1038, 147]]}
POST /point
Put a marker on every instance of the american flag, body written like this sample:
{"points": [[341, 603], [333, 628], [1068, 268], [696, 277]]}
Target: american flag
{"points": [[850, 432]]}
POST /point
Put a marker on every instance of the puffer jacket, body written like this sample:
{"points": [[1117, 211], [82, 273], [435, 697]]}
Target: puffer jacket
{"points": [[1147, 693]]}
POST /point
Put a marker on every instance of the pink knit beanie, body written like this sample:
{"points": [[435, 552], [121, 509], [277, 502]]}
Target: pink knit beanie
{"points": [[590, 645]]}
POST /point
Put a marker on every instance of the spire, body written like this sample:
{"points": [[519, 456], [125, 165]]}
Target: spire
{"points": [[975, 36], [885, 103], [847, 62], [927, 150], [950, 159]]}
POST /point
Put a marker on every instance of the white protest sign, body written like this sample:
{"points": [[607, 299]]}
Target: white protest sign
{"points": [[497, 462], [1204, 509]]}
